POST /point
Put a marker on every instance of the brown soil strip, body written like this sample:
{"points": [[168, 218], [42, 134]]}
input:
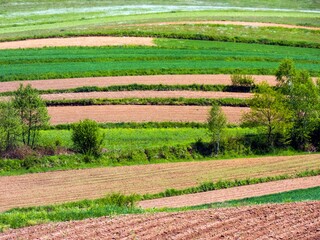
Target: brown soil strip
{"points": [[63, 186], [126, 80], [146, 94], [78, 41], [273, 221], [250, 24], [233, 193], [135, 113]]}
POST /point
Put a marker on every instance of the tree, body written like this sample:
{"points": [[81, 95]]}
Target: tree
{"points": [[302, 97], [32, 112], [10, 126], [268, 109], [285, 72], [217, 121], [304, 102], [87, 138]]}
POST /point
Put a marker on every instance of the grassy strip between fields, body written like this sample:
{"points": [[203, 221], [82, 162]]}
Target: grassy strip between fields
{"points": [[209, 32], [234, 102], [143, 87], [115, 204]]}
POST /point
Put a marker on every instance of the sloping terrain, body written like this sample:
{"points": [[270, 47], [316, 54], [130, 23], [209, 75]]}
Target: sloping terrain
{"points": [[282, 221], [62, 186]]}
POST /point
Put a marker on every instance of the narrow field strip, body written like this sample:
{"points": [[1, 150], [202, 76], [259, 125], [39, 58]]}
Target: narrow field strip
{"points": [[127, 80], [146, 94], [272, 221], [78, 41], [233, 193], [135, 113], [250, 24], [63, 186]]}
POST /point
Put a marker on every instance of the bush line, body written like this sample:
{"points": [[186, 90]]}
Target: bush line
{"points": [[143, 87], [136, 125], [234, 102]]}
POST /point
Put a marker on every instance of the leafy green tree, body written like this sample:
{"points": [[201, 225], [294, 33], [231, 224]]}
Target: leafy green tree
{"points": [[268, 110], [32, 112], [217, 121], [304, 102], [285, 72], [87, 138], [302, 97], [10, 126]]}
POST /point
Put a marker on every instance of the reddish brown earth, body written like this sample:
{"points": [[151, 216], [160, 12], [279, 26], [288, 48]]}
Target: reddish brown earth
{"points": [[77, 41], [233, 193], [63, 186], [136, 113], [274, 221], [146, 94], [251, 24], [126, 80]]}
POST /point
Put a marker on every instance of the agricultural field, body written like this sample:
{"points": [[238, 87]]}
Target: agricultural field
{"points": [[163, 112]]}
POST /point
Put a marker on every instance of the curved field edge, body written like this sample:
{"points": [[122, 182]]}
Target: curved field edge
{"points": [[62, 186], [239, 192], [77, 84], [141, 35], [210, 222], [50, 26]]}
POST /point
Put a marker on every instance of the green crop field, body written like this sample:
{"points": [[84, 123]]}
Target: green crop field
{"points": [[171, 56], [131, 139]]}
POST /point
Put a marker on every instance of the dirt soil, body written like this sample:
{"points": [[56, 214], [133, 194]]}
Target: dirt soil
{"points": [[78, 41], [63, 186], [127, 80], [146, 94], [274, 221], [136, 113], [251, 24], [233, 193]]}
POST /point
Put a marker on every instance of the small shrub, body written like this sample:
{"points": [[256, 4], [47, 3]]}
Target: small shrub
{"points": [[121, 200], [87, 138], [242, 80]]}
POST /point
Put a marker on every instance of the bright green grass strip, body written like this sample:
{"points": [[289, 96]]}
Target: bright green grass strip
{"points": [[131, 139], [221, 58], [111, 205], [301, 195]]}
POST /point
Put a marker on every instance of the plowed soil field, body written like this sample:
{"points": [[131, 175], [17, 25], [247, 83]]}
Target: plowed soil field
{"points": [[62, 186], [78, 41], [134, 113], [126, 80], [277, 221], [146, 94]]}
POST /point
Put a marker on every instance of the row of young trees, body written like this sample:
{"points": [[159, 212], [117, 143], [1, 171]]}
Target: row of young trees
{"points": [[286, 115]]}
